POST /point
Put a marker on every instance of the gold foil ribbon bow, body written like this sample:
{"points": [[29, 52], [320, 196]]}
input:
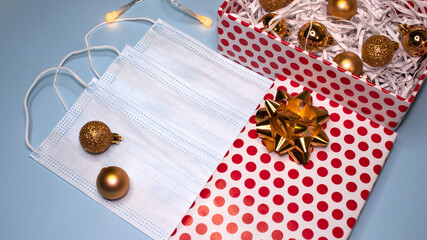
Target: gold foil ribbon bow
{"points": [[292, 125]]}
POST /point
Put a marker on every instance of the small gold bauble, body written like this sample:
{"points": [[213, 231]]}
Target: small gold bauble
{"points": [[281, 29], [112, 183], [314, 38], [96, 137], [414, 39], [378, 50], [350, 62], [345, 9], [273, 5]]}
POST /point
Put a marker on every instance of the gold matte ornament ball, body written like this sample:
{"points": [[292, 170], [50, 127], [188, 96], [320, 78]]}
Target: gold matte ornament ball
{"points": [[378, 50], [345, 9], [112, 183], [414, 39], [314, 38], [96, 137], [350, 62], [273, 5], [281, 29]]}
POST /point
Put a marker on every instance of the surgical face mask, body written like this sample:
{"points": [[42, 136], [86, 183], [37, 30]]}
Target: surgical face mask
{"points": [[201, 66], [175, 128], [197, 114]]}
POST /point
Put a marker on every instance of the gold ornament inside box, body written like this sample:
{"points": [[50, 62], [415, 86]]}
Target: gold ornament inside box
{"points": [[343, 70], [382, 55]]}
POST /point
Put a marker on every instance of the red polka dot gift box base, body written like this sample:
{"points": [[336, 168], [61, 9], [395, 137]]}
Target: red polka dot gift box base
{"points": [[270, 56], [255, 194]]}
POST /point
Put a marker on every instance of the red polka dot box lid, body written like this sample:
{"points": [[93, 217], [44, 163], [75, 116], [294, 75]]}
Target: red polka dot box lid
{"points": [[270, 56], [255, 194]]}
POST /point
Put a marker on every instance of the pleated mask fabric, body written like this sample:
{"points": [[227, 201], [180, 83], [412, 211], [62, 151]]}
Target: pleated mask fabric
{"points": [[177, 121]]}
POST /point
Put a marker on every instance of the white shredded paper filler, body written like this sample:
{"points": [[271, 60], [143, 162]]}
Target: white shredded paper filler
{"points": [[372, 18]]}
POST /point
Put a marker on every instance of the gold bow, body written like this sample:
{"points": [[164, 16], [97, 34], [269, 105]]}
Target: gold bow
{"points": [[292, 125]]}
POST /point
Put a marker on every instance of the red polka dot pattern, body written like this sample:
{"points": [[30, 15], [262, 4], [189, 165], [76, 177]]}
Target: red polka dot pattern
{"points": [[260, 195], [270, 56]]}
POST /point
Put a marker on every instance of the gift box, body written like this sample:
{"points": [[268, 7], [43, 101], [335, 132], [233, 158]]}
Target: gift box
{"points": [[270, 56], [257, 194]]}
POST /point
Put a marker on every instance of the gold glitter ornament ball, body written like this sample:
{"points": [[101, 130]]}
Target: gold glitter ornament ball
{"points": [[281, 29], [273, 5], [378, 50], [112, 183], [414, 39], [350, 62], [96, 137], [345, 9], [315, 38]]}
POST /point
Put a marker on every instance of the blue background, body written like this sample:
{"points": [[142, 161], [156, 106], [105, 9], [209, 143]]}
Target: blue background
{"points": [[36, 204]]}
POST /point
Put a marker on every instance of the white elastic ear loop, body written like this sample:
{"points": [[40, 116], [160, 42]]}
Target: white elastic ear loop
{"points": [[74, 53], [27, 119], [104, 23]]}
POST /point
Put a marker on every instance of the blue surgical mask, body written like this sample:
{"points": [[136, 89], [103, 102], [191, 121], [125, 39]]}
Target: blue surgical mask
{"points": [[177, 125]]}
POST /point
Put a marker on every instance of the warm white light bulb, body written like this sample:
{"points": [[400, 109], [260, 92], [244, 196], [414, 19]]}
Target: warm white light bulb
{"points": [[206, 22], [111, 16]]}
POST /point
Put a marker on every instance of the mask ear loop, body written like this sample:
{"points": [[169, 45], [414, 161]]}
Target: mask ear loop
{"points": [[104, 23], [60, 67], [67, 57], [27, 119], [93, 48]]}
